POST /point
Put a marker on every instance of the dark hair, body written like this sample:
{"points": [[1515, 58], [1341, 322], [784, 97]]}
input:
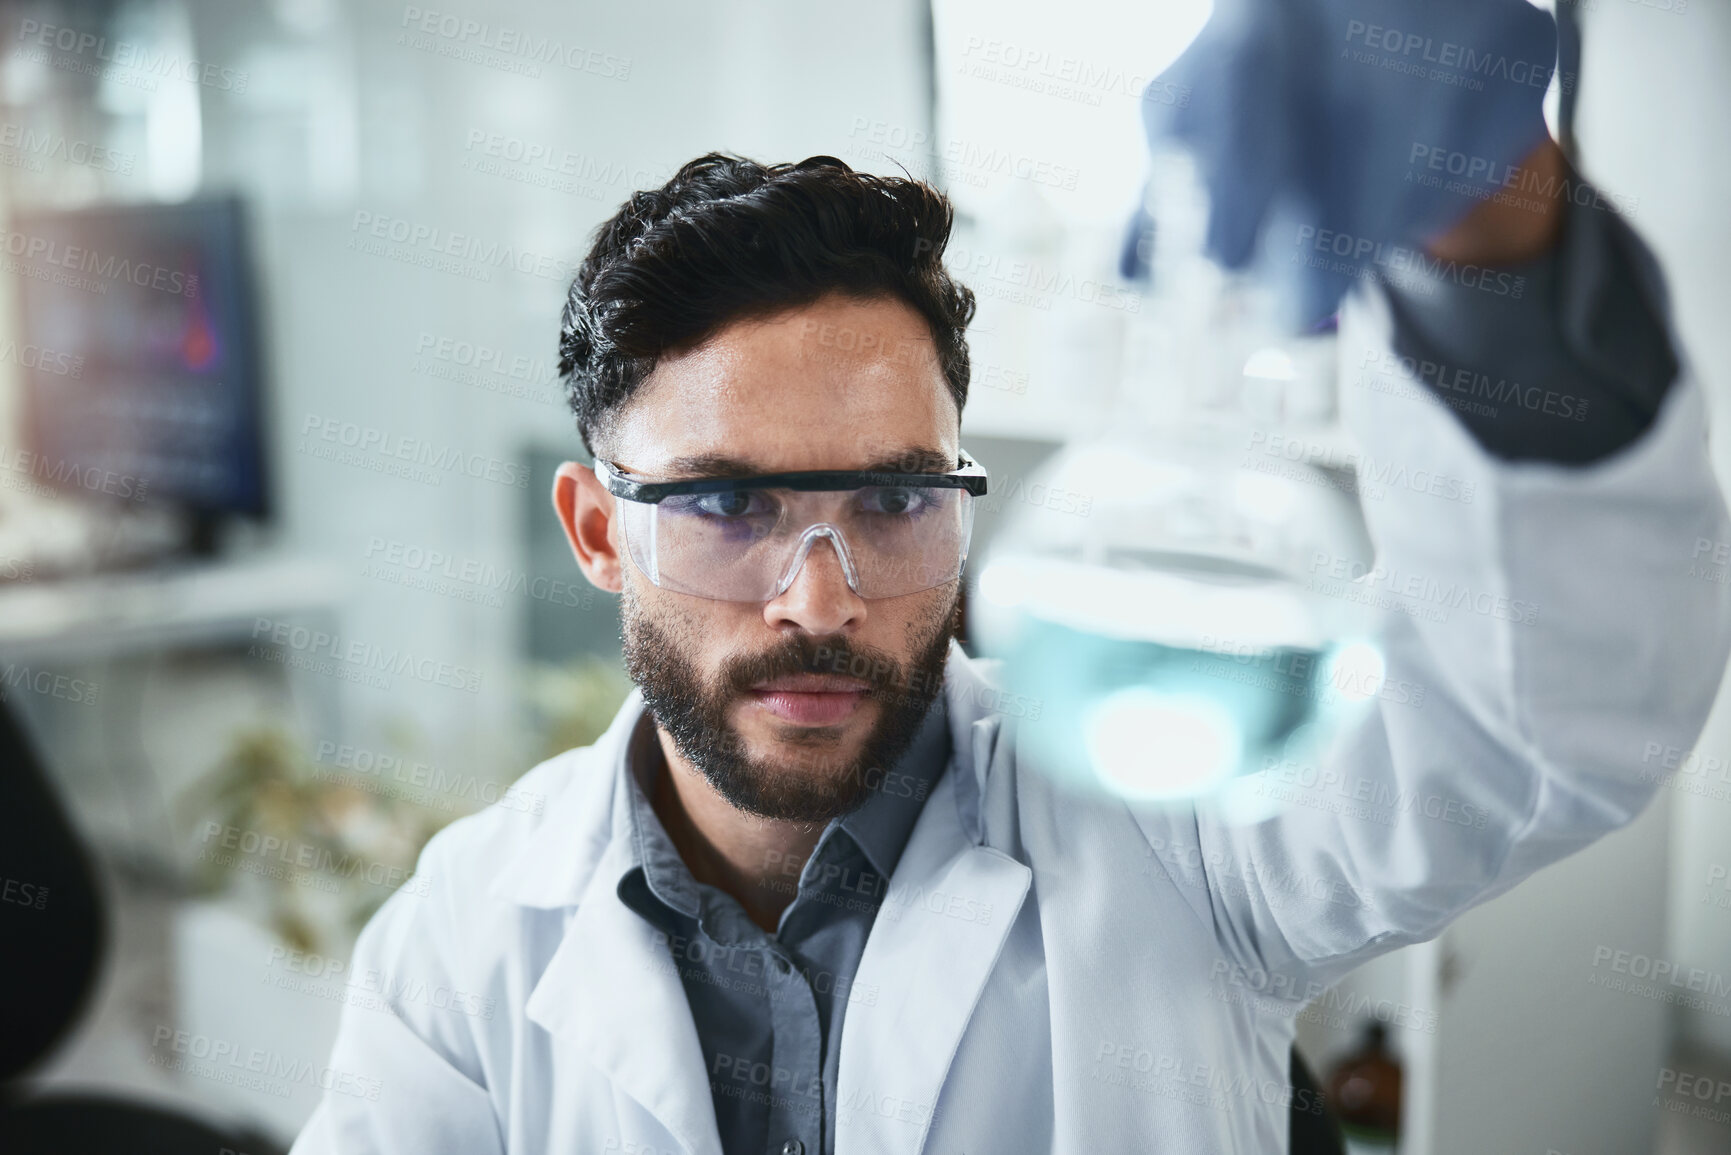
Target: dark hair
{"points": [[728, 239]]}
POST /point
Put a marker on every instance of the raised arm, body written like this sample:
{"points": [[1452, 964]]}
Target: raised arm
{"points": [[1553, 620]]}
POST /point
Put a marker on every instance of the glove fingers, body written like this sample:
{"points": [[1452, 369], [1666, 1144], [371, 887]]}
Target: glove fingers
{"points": [[1223, 100]]}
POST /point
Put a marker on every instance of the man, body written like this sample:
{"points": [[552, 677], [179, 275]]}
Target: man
{"points": [[802, 898]]}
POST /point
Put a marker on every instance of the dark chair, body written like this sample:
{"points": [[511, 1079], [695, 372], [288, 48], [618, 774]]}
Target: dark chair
{"points": [[52, 928]]}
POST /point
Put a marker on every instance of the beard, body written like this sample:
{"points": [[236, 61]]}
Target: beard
{"points": [[820, 784]]}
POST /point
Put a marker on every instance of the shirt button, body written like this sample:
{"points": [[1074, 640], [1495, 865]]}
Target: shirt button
{"points": [[793, 1147]]}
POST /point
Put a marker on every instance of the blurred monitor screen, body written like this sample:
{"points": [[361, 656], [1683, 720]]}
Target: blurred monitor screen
{"points": [[141, 372]]}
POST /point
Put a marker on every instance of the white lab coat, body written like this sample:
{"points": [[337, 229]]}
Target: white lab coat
{"points": [[1055, 975]]}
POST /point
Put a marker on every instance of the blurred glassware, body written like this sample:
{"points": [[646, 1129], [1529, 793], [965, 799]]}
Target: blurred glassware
{"points": [[1156, 591], [1174, 635]]}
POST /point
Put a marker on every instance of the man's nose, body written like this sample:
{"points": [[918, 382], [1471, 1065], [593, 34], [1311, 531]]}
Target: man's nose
{"points": [[818, 600]]}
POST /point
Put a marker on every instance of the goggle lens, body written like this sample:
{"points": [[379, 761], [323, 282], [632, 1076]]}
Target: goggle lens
{"points": [[748, 544]]}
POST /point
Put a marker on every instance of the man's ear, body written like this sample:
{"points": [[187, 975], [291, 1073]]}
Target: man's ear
{"points": [[585, 509]]}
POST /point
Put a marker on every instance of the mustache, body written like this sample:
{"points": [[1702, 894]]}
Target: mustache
{"points": [[807, 655]]}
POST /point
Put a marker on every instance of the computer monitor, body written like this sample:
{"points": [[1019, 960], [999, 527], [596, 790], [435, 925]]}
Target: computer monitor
{"points": [[140, 354]]}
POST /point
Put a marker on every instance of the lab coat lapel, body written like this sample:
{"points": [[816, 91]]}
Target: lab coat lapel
{"points": [[611, 993], [937, 936]]}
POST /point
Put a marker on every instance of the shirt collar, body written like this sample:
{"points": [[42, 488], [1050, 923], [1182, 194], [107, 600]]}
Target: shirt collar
{"points": [[880, 827]]}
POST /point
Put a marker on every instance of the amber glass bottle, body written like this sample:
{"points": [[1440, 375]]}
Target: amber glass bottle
{"points": [[1364, 1091]]}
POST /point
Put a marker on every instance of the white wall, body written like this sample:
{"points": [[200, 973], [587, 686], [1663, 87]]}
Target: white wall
{"points": [[1653, 126]]}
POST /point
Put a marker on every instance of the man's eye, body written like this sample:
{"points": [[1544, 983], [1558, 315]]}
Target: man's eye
{"points": [[736, 503], [896, 501]]}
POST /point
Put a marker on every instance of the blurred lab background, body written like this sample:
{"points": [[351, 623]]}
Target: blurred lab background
{"points": [[281, 591]]}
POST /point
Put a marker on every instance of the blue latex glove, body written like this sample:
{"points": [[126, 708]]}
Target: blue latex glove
{"points": [[1336, 136]]}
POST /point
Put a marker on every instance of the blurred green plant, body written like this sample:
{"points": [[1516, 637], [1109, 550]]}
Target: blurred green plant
{"points": [[317, 848], [316, 852], [575, 701]]}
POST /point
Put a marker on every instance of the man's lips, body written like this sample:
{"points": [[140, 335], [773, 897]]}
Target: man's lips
{"points": [[810, 699]]}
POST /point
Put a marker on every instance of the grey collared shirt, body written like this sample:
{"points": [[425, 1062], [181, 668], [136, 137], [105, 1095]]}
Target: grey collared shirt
{"points": [[769, 1008]]}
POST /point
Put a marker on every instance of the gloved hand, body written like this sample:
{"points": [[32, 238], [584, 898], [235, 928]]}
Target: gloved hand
{"points": [[1336, 136]]}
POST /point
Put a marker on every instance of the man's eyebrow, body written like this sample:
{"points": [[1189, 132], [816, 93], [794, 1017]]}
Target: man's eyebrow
{"points": [[910, 460], [914, 460], [710, 465]]}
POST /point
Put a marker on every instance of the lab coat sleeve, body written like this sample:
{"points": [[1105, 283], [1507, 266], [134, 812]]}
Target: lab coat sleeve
{"points": [[411, 1079], [1553, 637]]}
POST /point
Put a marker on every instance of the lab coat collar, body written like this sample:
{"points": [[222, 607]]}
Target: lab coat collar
{"points": [[555, 863], [612, 994], [553, 867], [611, 991], [944, 921]]}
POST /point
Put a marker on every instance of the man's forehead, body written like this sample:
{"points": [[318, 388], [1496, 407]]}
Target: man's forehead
{"points": [[779, 394]]}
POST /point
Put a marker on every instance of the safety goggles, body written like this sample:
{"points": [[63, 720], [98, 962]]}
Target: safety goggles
{"points": [[744, 539]]}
